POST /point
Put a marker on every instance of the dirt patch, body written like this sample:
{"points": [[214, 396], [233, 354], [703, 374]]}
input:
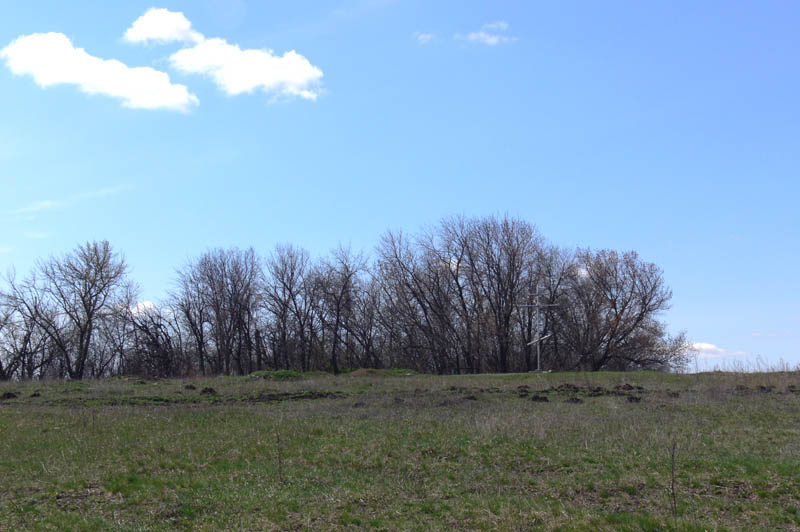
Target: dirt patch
{"points": [[565, 388], [574, 400], [292, 396], [628, 387], [208, 391], [190, 387], [8, 395], [76, 499], [622, 390], [539, 399]]}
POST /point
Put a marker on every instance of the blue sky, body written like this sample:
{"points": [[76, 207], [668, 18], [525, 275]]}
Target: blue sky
{"points": [[670, 128]]}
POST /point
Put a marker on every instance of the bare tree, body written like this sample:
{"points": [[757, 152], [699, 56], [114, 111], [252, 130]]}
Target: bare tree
{"points": [[499, 253], [218, 297], [545, 285], [417, 285], [286, 270], [8, 362], [68, 296], [192, 311], [155, 345], [336, 280], [465, 295], [608, 319]]}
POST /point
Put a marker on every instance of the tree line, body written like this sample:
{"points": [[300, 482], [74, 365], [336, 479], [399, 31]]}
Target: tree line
{"points": [[467, 295]]}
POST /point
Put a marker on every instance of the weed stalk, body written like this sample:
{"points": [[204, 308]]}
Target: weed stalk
{"points": [[280, 457], [673, 498]]}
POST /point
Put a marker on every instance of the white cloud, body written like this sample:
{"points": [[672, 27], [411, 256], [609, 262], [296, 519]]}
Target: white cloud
{"points": [[51, 59], [234, 70], [238, 71], [142, 307], [490, 34], [161, 25], [707, 350], [33, 235], [424, 38]]}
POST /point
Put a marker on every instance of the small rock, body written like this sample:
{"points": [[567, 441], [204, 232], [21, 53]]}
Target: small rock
{"points": [[540, 399], [8, 395], [574, 400], [208, 391], [190, 387]]}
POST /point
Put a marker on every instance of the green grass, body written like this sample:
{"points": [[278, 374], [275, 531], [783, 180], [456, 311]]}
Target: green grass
{"points": [[375, 452]]}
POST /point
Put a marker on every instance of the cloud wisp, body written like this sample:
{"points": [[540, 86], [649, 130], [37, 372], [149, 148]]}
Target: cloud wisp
{"points": [[234, 70], [489, 34], [36, 207], [424, 38], [51, 59], [101, 192]]}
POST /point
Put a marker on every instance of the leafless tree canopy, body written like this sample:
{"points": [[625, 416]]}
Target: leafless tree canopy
{"points": [[467, 295]]}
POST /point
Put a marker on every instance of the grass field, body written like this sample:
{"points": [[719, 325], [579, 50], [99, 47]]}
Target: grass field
{"points": [[391, 451]]}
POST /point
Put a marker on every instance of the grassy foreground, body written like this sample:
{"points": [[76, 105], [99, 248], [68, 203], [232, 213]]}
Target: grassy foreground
{"points": [[384, 451]]}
